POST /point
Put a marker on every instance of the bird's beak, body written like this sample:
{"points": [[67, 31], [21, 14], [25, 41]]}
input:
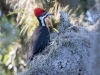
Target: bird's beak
{"points": [[49, 14]]}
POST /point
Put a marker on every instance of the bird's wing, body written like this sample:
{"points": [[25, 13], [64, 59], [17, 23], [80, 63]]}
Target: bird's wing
{"points": [[37, 41]]}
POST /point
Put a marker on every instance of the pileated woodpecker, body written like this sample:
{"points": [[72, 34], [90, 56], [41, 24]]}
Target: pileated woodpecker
{"points": [[41, 37]]}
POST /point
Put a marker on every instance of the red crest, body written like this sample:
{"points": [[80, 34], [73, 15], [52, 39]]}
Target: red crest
{"points": [[38, 12]]}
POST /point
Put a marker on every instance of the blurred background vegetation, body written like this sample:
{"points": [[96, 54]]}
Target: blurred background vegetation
{"points": [[17, 23]]}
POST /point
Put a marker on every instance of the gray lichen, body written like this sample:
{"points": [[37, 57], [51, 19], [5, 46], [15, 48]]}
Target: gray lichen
{"points": [[70, 53]]}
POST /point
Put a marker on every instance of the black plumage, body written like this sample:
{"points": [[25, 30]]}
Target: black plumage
{"points": [[40, 39]]}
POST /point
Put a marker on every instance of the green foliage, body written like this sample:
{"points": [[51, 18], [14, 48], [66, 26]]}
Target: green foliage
{"points": [[9, 32], [8, 35], [55, 30], [47, 4], [83, 4]]}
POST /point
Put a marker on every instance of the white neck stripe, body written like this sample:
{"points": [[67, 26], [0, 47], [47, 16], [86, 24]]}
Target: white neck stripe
{"points": [[42, 19]]}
